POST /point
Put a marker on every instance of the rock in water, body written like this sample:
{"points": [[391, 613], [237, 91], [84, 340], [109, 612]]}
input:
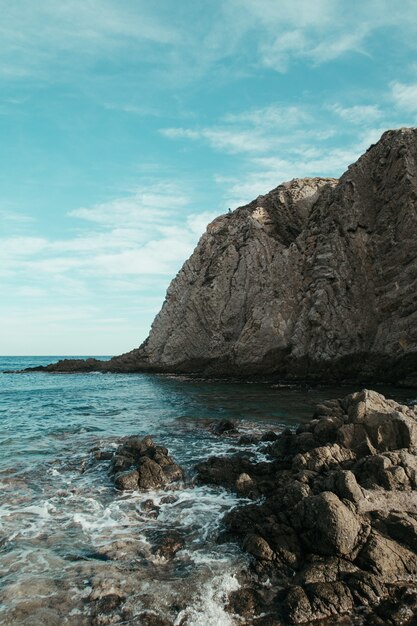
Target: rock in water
{"points": [[140, 464], [316, 280]]}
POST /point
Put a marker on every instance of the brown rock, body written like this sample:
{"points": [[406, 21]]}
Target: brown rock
{"points": [[127, 480], [322, 458], [326, 525], [386, 558], [169, 544], [140, 464], [258, 547]]}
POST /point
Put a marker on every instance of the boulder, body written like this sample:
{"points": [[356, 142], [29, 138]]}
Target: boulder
{"points": [[326, 525], [140, 464]]}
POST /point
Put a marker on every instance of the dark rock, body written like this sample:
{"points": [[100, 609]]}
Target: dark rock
{"points": [[139, 464], [329, 535], [343, 483], [297, 607], [127, 480], [149, 618], [168, 544], [248, 440], [224, 426], [402, 527], [270, 435], [103, 455], [387, 559], [169, 499], [225, 471], [244, 602], [150, 507]]}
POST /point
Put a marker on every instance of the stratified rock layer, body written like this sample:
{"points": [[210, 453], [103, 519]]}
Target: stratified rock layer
{"points": [[315, 280], [333, 528]]}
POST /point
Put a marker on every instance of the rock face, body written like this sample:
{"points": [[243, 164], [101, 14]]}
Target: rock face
{"points": [[315, 280], [334, 526]]}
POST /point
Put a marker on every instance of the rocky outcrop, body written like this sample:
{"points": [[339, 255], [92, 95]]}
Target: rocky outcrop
{"points": [[333, 526], [140, 464], [315, 280]]}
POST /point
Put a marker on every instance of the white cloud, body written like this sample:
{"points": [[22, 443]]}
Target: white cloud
{"points": [[149, 232], [37, 38], [405, 96], [44, 37], [225, 139], [272, 116], [358, 114]]}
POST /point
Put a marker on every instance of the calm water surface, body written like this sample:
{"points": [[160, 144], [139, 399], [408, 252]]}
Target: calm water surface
{"points": [[72, 549]]}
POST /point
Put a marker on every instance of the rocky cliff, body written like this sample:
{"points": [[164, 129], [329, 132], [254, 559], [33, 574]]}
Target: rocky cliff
{"points": [[315, 280]]}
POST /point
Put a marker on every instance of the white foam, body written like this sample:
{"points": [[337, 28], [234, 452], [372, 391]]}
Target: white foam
{"points": [[209, 605]]}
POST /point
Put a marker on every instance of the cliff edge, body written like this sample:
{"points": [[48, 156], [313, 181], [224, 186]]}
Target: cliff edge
{"points": [[314, 280]]}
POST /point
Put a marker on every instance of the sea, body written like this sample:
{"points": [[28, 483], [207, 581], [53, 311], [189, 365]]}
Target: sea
{"points": [[75, 551]]}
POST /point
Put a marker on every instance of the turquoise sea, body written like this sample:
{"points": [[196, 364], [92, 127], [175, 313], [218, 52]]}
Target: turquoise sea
{"points": [[69, 541]]}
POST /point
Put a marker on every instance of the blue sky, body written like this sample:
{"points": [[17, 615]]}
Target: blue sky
{"points": [[126, 126]]}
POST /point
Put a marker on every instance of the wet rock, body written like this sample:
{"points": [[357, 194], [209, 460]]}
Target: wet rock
{"points": [[224, 427], [270, 435], [140, 464], [336, 531], [149, 506], [248, 440], [149, 618], [103, 455], [127, 480], [168, 544], [225, 471], [245, 602], [169, 499]]}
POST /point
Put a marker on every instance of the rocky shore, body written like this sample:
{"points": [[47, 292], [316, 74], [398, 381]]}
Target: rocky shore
{"points": [[328, 515], [332, 531]]}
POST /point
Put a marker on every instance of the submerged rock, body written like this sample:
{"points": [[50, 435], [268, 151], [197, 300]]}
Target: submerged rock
{"points": [[333, 533], [139, 463]]}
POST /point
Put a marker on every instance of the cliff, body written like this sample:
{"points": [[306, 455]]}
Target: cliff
{"points": [[314, 280]]}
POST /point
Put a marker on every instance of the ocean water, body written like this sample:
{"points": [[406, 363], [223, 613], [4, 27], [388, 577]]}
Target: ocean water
{"points": [[75, 551]]}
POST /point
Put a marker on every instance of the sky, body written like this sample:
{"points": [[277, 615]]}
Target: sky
{"points": [[126, 126]]}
